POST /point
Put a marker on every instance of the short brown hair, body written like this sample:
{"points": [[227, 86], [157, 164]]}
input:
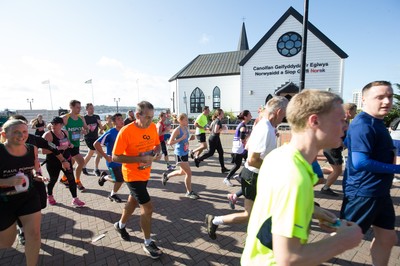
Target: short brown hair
{"points": [[72, 103], [375, 83], [349, 106], [309, 102]]}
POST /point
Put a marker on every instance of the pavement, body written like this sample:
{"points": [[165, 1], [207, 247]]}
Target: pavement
{"points": [[85, 236]]}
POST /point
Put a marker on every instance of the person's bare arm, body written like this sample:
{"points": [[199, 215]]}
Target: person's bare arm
{"points": [[255, 160], [290, 251]]}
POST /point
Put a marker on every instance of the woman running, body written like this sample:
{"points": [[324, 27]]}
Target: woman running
{"points": [[59, 138], [214, 141], [39, 124], [238, 145], [18, 197], [180, 137]]}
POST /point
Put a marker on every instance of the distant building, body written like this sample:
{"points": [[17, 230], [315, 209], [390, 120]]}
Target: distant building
{"points": [[357, 99], [246, 79]]}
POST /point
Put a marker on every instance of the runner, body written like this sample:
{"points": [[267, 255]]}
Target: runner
{"points": [[201, 125], [19, 198], [59, 138], [136, 147], [239, 152], [108, 139], [75, 125], [162, 129], [93, 122], [279, 225], [214, 141], [180, 137], [39, 125], [261, 142]]}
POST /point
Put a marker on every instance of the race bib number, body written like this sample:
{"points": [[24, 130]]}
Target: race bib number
{"points": [[64, 142], [76, 135]]}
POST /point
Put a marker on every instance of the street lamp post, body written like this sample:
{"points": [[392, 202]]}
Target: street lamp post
{"points": [[117, 101], [30, 101]]}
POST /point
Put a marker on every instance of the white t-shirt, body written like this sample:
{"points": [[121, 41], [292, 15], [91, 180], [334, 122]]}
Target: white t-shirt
{"points": [[395, 134], [262, 140]]}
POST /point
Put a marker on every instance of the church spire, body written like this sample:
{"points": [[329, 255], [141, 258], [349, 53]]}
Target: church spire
{"points": [[243, 44]]}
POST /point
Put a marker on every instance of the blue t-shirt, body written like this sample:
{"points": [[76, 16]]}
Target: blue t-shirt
{"points": [[182, 147], [108, 140], [368, 135]]}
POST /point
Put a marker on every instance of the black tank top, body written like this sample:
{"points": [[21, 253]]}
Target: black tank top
{"points": [[10, 165], [39, 124], [59, 143], [37, 131]]}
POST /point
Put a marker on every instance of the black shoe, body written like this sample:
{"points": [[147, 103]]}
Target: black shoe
{"points": [[102, 180], [97, 172], [192, 195], [224, 170], [211, 228], [329, 192], [152, 250], [164, 178], [21, 238], [122, 232], [115, 198], [197, 162], [84, 170]]}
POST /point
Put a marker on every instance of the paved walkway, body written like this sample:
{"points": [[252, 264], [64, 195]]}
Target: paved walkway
{"points": [[178, 226]]}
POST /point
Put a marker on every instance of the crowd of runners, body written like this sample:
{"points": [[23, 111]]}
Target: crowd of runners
{"points": [[277, 183]]}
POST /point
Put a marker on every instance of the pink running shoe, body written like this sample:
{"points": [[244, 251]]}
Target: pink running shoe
{"points": [[77, 202], [51, 200]]}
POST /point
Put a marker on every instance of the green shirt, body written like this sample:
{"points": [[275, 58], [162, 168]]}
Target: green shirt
{"points": [[74, 128], [284, 204], [202, 121]]}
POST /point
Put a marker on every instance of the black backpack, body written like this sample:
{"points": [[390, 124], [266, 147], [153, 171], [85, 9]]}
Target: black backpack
{"points": [[395, 123]]}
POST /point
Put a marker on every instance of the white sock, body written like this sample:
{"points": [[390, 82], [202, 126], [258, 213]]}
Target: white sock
{"points": [[217, 220], [112, 192], [121, 225], [148, 241]]}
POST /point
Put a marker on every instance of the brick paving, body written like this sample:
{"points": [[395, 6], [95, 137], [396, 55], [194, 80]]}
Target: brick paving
{"points": [[178, 225]]}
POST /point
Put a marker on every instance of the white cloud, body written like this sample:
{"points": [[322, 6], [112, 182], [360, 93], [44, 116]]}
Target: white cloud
{"points": [[22, 79], [109, 62]]}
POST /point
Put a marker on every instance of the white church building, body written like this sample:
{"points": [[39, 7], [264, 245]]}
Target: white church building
{"points": [[246, 79]]}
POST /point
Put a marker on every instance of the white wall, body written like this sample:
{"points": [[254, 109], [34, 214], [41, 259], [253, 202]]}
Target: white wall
{"points": [[229, 86], [267, 55]]}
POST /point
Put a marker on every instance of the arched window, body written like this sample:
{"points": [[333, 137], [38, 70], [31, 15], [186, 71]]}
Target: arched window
{"points": [[197, 101], [216, 98]]}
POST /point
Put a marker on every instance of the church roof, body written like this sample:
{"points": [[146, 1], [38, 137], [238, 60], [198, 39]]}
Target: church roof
{"points": [[292, 12], [288, 87], [243, 43], [217, 64]]}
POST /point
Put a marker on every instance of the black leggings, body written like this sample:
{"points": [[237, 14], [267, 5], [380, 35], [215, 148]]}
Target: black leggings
{"points": [[214, 143], [237, 159], [53, 168]]}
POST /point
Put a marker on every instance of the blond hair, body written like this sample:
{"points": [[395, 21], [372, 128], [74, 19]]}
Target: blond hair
{"points": [[349, 106], [182, 116], [309, 102], [8, 125]]}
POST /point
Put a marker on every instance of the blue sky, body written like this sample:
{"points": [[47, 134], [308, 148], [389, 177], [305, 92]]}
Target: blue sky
{"points": [[131, 48]]}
